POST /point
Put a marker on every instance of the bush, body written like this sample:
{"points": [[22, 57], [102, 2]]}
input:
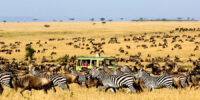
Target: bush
{"points": [[46, 25], [29, 52]]}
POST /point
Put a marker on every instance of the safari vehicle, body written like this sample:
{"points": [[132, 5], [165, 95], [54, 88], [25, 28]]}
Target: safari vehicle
{"points": [[89, 62]]}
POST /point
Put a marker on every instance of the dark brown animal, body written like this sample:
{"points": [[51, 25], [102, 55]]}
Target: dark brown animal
{"points": [[71, 78], [1, 89], [28, 82]]}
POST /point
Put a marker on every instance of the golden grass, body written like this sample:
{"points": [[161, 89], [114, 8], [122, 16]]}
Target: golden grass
{"points": [[33, 31], [81, 93]]}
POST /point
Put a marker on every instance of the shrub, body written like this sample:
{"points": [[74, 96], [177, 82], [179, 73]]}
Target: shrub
{"points": [[29, 52], [46, 25]]}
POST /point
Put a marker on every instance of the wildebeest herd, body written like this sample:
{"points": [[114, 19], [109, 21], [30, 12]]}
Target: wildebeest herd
{"points": [[158, 72]]}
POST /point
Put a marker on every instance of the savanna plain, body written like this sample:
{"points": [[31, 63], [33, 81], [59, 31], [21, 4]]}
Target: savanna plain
{"points": [[56, 37]]}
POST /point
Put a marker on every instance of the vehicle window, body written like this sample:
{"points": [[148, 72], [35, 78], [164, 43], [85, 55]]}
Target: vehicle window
{"points": [[79, 62], [109, 62], [85, 63], [94, 62], [101, 63]]}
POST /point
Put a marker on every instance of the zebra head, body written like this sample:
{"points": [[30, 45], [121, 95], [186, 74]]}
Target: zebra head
{"points": [[94, 72], [139, 74], [126, 69], [34, 72]]}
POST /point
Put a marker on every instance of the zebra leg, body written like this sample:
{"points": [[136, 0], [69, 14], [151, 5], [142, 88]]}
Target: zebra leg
{"points": [[169, 87], [149, 88], [62, 86], [128, 90], [104, 87], [111, 89], [131, 88], [82, 84]]}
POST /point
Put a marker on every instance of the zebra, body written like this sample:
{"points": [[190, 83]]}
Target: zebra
{"points": [[113, 81], [57, 80], [81, 78], [5, 79], [155, 82], [183, 80]]}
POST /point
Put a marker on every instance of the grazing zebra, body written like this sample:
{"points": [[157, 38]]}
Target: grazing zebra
{"points": [[57, 79], [5, 78], [155, 82], [113, 81]]}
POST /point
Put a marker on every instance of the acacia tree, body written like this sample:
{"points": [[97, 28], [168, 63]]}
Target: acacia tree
{"points": [[179, 18], [35, 19], [102, 19], [72, 19], [92, 19], [4, 21]]}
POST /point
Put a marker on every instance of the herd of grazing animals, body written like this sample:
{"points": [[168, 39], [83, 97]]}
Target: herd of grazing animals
{"points": [[145, 74]]}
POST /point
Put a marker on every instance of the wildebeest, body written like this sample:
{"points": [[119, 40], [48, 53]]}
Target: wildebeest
{"points": [[28, 82]]}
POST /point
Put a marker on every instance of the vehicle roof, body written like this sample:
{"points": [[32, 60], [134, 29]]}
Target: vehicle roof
{"points": [[96, 57]]}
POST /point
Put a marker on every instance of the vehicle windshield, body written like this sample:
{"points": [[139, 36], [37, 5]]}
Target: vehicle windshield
{"points": [[110, 62]]}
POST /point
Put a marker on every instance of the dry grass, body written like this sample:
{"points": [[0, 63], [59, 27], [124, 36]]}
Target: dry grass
{"points": [[79, 93], [32, 32]]}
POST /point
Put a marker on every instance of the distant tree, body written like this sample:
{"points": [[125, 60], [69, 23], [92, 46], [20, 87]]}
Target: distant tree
{"points": [[134, 20], [193, 19], [164, 19], [110, 20], [141, 19], [72, 19], [4, 21], [188, 18], [91, 19], [102, 19], [29, 53], [179, 18], [54, 20], [35, 19], [121, 18], [60, 20]]}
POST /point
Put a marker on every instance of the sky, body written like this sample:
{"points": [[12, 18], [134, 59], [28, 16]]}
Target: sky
{"points": [[110, 9]]}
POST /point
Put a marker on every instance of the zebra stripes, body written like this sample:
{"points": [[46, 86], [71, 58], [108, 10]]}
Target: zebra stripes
{"points": [[114, 81], [5, 78], [57, 79], [183, 80], [155, 82]]}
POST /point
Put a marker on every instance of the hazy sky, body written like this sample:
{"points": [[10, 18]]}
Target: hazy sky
{"points": [[101, 8]]}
